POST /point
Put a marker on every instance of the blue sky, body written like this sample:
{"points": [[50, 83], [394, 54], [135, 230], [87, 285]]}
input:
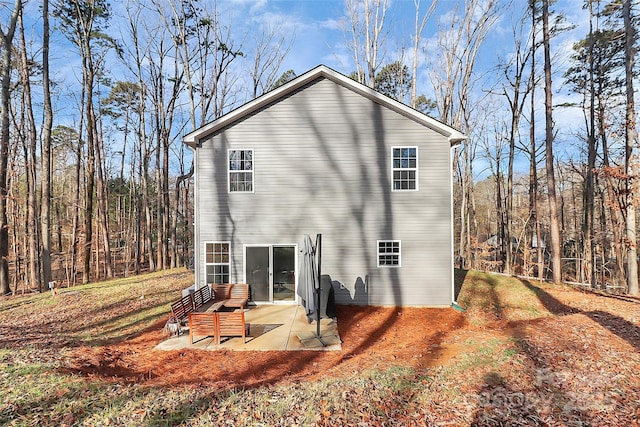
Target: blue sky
{"points": [[315, 28], [320, 39]]}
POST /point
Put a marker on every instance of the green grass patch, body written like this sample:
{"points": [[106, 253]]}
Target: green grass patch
{"points": [[491, 297]]}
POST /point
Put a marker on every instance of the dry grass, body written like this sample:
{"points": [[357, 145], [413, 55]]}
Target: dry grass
{"points": [[523, 353]]}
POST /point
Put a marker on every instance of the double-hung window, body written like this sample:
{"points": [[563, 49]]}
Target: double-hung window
{"points": [[240, 171], [389, 253], [217, 262], [404, 168]]}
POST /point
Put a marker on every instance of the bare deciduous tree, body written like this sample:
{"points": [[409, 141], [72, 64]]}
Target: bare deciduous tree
{"points": [[82, 22], [45, 212], [270, 47], [366, 36], [549, 137], [515, 89], [419, 24], [6, 37], [459, 41], [631, 142]]}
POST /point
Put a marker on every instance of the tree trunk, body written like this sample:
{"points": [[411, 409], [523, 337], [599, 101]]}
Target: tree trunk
{"points": [[534, 204], [588, 243], [503, 242], [30, 136], [508, 211], [631, 157], [103, 200], [144, 240], [160, 237], [615, 206], [7, 42], [551, 182], [166, 201], [45, 210], [174, 224], [90, 172]]}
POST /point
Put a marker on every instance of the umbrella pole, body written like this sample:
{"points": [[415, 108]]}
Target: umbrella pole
{"points": [[319, 286], [318, 292]]}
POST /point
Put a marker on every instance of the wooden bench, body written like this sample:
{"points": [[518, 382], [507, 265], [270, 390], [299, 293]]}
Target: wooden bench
{"points": [[180, 311], [234, 295], [201, 297], [188, 304]]}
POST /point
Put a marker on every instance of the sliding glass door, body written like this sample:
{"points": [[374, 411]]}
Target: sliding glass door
{"points": [[270, 271]]}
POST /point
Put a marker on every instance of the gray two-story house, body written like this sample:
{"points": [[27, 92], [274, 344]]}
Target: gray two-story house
{"points": [[325, 154]]}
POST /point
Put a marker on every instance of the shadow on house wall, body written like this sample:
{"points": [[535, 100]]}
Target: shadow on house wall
{"points": [[359, 296]]}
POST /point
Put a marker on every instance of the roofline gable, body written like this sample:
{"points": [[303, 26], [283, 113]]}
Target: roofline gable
{"points": [[322, 71]]}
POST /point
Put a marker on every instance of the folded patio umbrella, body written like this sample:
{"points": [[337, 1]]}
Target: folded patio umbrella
{"points": [[308, 276]]}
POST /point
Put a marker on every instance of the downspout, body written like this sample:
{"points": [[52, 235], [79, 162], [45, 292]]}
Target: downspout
{"points": [[455, 143], [196, 221]]}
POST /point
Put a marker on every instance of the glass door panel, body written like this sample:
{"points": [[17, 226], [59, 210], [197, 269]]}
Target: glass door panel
{"points": [[284, 274], [257, 272]]}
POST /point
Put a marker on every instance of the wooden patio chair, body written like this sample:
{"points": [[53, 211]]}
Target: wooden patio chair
{"points": [[238, 296], [220, 291], [231, 324], [203, 324]]}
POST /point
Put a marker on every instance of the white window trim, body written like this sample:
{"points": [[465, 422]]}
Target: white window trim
{"points": [[416, 169], [378, 253], [206, 264], [253, 170]]}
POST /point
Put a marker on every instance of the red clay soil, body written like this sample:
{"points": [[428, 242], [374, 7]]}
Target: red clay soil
{"points": [[558, 343], [373, 337], [579, 330]]}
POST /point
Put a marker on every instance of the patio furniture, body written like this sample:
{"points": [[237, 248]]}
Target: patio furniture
{"points": [[201, 297], [203, 324], [218, 324], [235, 295], [238, 296], [231, 324], [180, 310], [220, 291], [216, 306], [190, 303]]}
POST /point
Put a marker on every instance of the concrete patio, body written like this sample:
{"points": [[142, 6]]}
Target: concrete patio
{"points": [[273, 327]]}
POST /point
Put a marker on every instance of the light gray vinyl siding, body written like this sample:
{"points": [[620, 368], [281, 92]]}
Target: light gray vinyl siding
{"points": [[322, 164]]}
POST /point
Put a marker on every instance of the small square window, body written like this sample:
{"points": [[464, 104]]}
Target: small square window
{"points": [[389, 253]]}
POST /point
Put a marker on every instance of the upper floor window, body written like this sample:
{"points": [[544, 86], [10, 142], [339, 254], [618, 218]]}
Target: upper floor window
{"points": [[405, 168], [240, 170]]}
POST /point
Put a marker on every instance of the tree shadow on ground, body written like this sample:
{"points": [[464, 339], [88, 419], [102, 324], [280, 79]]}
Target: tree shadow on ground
{"points": [[499, 404], [615, 324]]}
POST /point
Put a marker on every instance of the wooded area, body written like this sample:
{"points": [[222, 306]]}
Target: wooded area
{"points": [[107, 192]]}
